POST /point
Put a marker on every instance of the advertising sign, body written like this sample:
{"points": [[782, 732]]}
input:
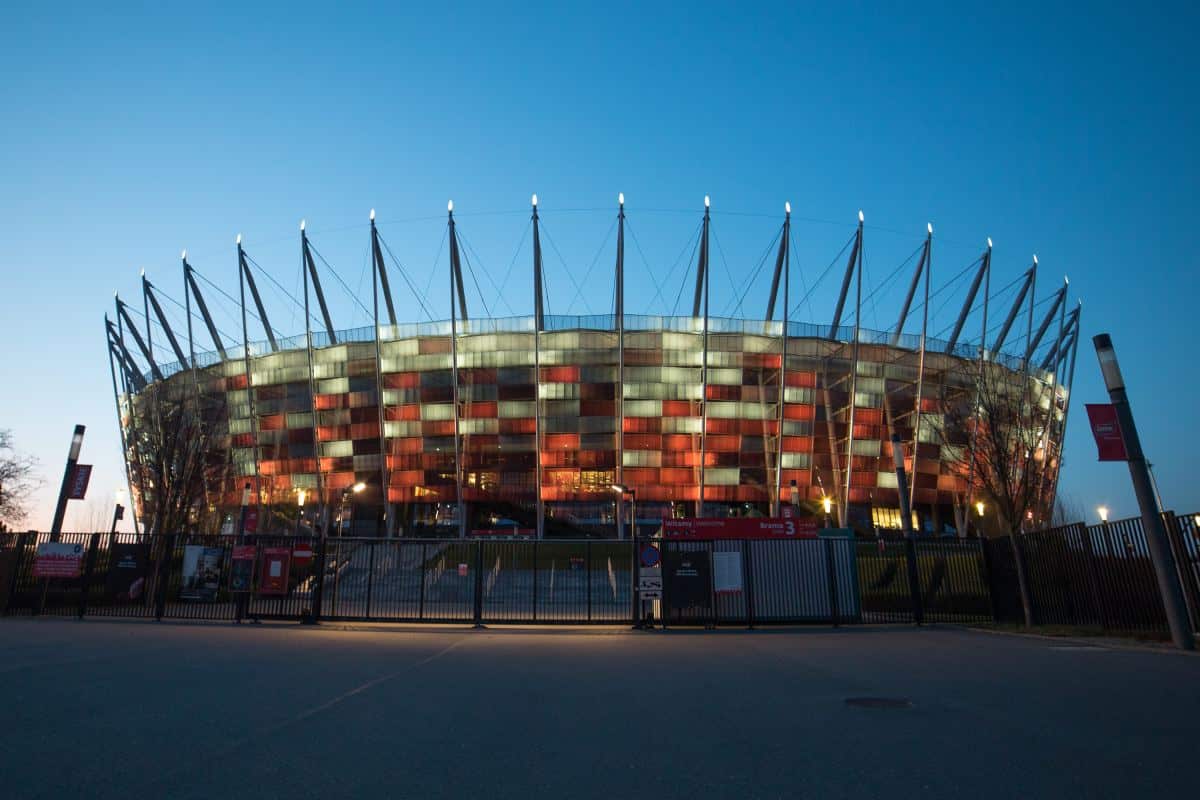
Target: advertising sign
{"points": [[58, 560], [201, 572], [1107, 431], [80, 477], [126, 581], [241, 568], [274, 577], [740, 528], [689, 578]]}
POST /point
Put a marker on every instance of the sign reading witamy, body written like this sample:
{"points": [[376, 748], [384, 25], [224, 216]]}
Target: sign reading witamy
{"points": [[740, 528], [58, 560]]}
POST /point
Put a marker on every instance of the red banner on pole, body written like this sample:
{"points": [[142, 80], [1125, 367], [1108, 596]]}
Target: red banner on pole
{"points": [[1106, 429], [80, 477]]}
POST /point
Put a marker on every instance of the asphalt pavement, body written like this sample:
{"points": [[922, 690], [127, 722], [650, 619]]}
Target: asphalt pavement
{"points": [[122, 709]]}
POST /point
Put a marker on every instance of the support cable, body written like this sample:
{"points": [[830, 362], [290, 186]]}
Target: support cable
{"points": [[421, 301]]}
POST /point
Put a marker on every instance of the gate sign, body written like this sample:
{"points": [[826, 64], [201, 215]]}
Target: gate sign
{"points": [[126, 581], [81, 475], [274, 578], [1106, 429], [58, 560], [689, 576], [650, 556], [740, 528]]}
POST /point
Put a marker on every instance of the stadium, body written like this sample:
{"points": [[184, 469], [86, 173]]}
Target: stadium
{"points": [[550, 425]]}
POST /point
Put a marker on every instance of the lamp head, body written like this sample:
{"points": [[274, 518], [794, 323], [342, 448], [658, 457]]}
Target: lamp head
{"points": [[302, 226], [861, 218], [183, 255], [979, 508], [534, 200], [239, 238], [929, 228], [620, 198], [787, 208], [358, 487], [1103, 512], [450, 206], [707, 202], [372, 215], [827, 503]]}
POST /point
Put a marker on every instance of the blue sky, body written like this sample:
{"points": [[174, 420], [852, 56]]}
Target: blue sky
{"points": [[130, 133]]}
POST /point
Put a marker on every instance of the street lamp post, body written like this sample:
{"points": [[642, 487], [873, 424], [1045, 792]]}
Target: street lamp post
{"points": [[1152, 523], [60, 510], [979, 507], [242, 518], [828, 505], [621, 491], [300, 497], [355, 489]]}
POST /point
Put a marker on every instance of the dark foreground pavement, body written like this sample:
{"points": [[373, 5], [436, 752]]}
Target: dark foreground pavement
{"points": [[142, 710]]}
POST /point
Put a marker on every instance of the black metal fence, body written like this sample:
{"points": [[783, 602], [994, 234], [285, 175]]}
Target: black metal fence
{"points": [[1099, 576]]}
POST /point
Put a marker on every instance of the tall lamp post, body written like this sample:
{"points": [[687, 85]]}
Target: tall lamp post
{"points": [[60, 510], [621, 492], [1139, 473], [242, 518], [301, 495], [355, 489]]}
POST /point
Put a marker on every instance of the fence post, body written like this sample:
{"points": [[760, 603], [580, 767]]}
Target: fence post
{"points": [[1183, 565], [22, 540], [635, 600], [478, 615], [712, 583], [748, 581], [587, 574], [535, 541], [1022, 579], [318, 584], [163, 576], [831, 577], [85, 580], [985, 558], [421, 601], [370, 575], [914, 579]]}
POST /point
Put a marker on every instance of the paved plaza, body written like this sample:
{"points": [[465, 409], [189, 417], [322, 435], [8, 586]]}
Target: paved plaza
{"points": [[125, 709]]}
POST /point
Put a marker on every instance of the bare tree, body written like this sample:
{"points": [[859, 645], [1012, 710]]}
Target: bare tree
{"points": [[18, 481], [992, 430], [1067, 510], [177, 459]]}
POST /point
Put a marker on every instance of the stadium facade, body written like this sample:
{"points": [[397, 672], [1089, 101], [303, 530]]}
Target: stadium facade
{"points": [[473, 423]]}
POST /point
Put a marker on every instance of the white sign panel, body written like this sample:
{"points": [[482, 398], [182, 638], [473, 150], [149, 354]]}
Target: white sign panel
{"points": [[727, 572]]}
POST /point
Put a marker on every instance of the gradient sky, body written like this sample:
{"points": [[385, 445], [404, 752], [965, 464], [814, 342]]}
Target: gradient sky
{"points": [[130, 133]]}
